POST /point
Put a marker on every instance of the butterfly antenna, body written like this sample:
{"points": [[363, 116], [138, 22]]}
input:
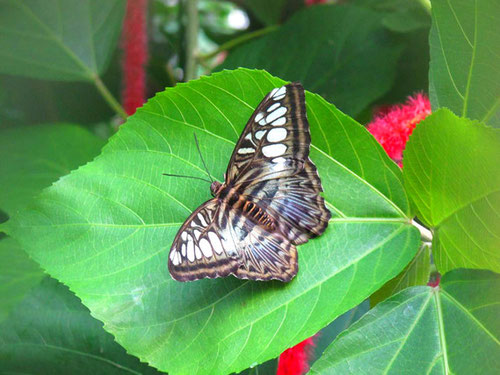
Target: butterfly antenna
{"points": [[180, 175], [201, 156]]}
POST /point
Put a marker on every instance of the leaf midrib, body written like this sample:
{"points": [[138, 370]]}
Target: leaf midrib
{"points": [[86, 70]]}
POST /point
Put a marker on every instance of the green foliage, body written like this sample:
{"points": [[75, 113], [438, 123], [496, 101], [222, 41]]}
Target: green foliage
{"points": [[268, 12], [64, 40], [105, 231], [18, 274], [332, 50], [453, 329], [465, 66], [51, 332], [415, 273], [452, 174], [105, 228], [38, 156]]}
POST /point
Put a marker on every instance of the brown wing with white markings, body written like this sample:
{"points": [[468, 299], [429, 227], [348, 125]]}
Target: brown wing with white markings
{"points": [[271, 165], [215, 242]]}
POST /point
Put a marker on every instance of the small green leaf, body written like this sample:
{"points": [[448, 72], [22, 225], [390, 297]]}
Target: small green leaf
{"points": [[464, 71], [105, 231], [18, 274], [343, 53], [452, 173], [415, 273], [63, 40], [452, 329], [51, 332], [37, 156]]}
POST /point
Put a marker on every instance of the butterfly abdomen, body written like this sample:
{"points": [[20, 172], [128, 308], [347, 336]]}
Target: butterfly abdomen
{"points": [[258, 216]]}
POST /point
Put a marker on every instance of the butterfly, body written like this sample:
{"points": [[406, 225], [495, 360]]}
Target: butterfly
{"points": [[269, 203]]}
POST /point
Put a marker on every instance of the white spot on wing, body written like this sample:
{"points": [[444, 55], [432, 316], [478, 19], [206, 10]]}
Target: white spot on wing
{"points": [[271, 151], [259, 134], [280, 92], [246, 150], [263, 122], [259, 116], [279, 160], [202, 220], [184, 236], [190, 249], [276, 134], [197, 252], [273, 107], [183, 249], [279, 122], [217, 245], [276, 114], [206, 248], [197, 233], [172, 255], [271, 94]]}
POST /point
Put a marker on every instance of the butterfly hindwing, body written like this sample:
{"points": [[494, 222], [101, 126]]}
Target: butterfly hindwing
{"points": [[216, 241]]}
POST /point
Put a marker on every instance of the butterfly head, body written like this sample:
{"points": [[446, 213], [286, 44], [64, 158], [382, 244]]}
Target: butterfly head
{"points": [[215, 188]]}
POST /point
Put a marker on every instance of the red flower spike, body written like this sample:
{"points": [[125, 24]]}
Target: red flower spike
{"points": [[312, 2], [295, 361], [393, 126], [135, 55]]}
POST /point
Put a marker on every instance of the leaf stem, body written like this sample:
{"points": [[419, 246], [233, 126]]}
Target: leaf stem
{"points": [[230, 44], [425, 233], [108, 97], [191, 35]]}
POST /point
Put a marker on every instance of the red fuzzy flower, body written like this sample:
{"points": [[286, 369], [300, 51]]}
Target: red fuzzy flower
{"points": [[135, 55], [312, 2], [392, 126], [295, 361]]}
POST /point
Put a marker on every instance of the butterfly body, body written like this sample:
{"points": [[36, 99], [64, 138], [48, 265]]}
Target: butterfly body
{"points": [[269, 202]]}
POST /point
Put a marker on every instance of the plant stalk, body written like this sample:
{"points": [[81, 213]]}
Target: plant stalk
{"points": [[109, 98], [230, 44], [425, 233], [192, 25]]}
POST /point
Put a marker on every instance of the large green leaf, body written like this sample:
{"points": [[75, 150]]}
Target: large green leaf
{"points": [[343, 53], [18, 274], [452, 329], [34, 157], [417, 272], [452, 173], [64, 40], [51, 332], [105, 231], [268, 12], [465, 65]]}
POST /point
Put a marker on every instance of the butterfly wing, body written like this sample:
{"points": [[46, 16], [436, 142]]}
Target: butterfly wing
{"points": [[216, 241], [276, 131], [271, 167]]}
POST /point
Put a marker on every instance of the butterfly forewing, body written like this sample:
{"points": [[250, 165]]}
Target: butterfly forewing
{"points": [[269, 203], [202, 247], [276, 136]]}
